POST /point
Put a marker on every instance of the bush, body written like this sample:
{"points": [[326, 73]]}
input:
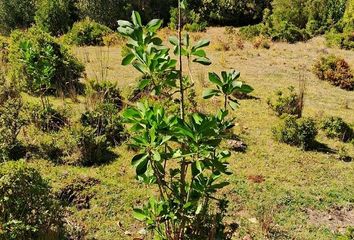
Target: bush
{"points": [[261, 42], [4, 45], [11, 120], [87, 32], [16, 14], [335, 127], [104, 119], [298, 132], [55, 71], [48, 119], [104, 92], [56, 17], [28, 209], [252, 31], [334, 70], [286, 102], [191, 21]]}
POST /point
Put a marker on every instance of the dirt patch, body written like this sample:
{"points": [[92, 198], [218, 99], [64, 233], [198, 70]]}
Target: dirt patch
{"points": [[336, 219], [256, 178]]}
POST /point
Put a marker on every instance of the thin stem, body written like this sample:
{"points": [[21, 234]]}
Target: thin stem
{"points": [[225, 103], [180, 59]]}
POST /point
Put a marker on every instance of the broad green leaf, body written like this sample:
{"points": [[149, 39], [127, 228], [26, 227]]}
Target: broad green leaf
{"points": [[203, 61], [136, 18], [209, 93], [201, 43], [233, 104], [143, 83], [199, 53], [214, 78], [123, 23], [173, 40], [139, 214], [128, 59], [154, 24], [246, 88]]}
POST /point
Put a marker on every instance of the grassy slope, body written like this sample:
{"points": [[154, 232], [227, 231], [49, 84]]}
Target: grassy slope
{"points": [[295, 181]]}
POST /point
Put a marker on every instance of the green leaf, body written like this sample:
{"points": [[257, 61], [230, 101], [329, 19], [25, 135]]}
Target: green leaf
{"points": [[139, 214], [136, 18], [202, 60], [214, 78], [246, 88], [173, 40], [201, 43], [143, 83], [209, 93], [123, 23], [154, 24], [128, 59], [199, 53], [233, 104], [140, 162]]}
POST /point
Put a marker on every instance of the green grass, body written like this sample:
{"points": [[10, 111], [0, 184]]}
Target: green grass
{"points": [[294, 181]]}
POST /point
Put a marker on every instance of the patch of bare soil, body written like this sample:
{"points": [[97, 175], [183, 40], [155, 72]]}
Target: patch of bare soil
{"points": [[336, 219]]}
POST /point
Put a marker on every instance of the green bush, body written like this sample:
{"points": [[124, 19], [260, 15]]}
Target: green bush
{"points": [[334, 70], [298, 132], [335, 127], [28, 209], [56, 17], [48, 119], [104, 92], [104, 119], [251, 31], [11, 120], [16, 14], [87, 32], [4, 45], [191, 21], [42, 64], [285, 102]]}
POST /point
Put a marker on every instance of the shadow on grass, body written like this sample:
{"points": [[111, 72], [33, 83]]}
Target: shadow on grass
{"points": [[322, 148]]}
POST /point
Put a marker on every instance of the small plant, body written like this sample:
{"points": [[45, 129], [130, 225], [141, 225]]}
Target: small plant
{"points": [[227, 86], [298, 132], [343, 154], [98, 92], [28, 209], [11, 120], [286, 102], [42, 64], [181, 155], [87, 33], [334, 70], [47, 119], [335, 127], [261, 42], [106, 122]]}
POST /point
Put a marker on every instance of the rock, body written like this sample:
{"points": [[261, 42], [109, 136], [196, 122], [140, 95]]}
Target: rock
{"points": [[236, 145]]}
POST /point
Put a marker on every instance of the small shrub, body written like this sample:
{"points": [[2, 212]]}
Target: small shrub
{"points": [[48, 119], [251, 31], [87, 33], [104, 92], [4, 44], [42, 64], [335, 127], [104, 119], [11, 120], [286, 102], [261, 42], [112, 39], [334, 70], [28, 209], [298, 132], [93, 149]]}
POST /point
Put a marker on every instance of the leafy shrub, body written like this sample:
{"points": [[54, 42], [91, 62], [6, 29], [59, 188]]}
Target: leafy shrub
{"points": [[298, 132], [251, 31], [11, 120], [104, 119], [334, 70], [56, 17], [286, 102], [87, 32], [4, 44], [42, 64], [335, 127], [191, 21], [112, 39], [93, 149], [104, 92], [261, 42], [16, 14], [28, 209], [48, 119]]}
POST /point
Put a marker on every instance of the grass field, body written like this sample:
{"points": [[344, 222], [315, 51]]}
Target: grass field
{"points": [[277, 191]]}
